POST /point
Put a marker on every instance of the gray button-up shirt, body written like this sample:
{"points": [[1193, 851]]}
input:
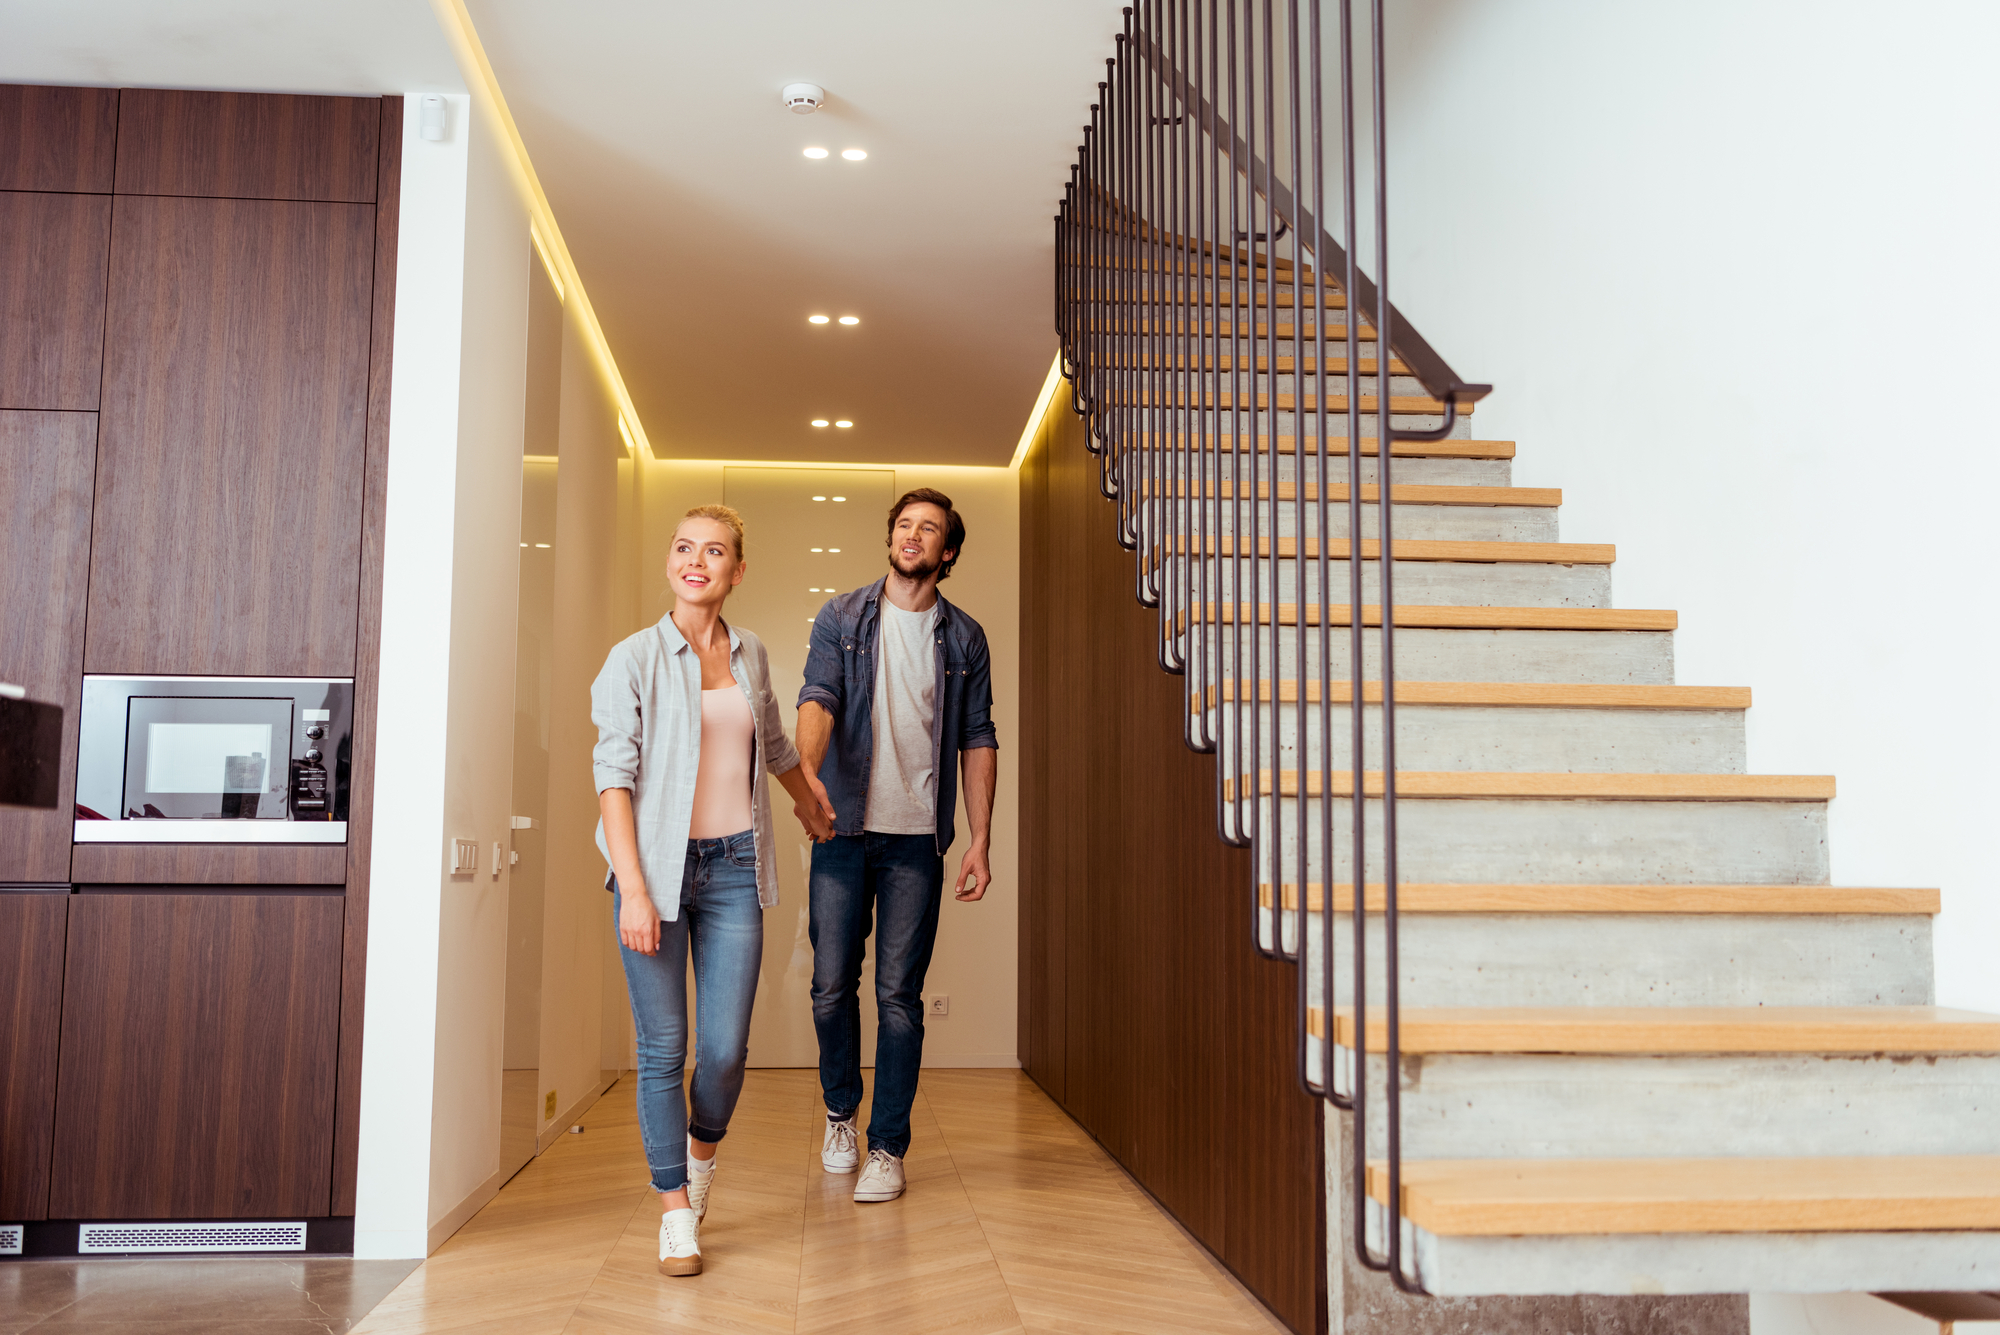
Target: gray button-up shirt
{"points": [[646, 703]]}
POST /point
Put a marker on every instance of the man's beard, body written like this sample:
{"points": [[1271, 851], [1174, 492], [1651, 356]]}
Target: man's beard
{"points": [[920, 570]]}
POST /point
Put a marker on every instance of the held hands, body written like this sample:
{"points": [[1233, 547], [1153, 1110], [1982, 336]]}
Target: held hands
{"points": [[638, 921], [816, 812], [974, 874]]}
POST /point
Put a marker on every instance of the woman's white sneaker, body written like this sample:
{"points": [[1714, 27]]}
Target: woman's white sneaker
{"points": [[840, 1152], [882, 1179], [700, 1179], [680, 1243]]}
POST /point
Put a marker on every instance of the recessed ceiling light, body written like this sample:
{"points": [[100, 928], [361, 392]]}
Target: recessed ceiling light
{"points": [[819, 421], [850, 319], [854, 154], [818, 319], [524, 544], [840, 498], [819, 498], [819, 549], [843, 423], [833, 549], [542, 545], [815, 152]]}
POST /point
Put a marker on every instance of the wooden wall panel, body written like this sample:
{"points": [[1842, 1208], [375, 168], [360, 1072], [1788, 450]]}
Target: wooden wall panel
{"points": [[57, 138], [1149, 1016], [198, 1037], [208, 864], [46, 466], [248, 145], [367, 674], [52, 257], [233, 438], [31, 962]]}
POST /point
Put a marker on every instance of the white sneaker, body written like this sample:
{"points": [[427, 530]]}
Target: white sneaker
{"points": [[882, 1179], [841, 1152], [698, 1184], [680, 1243]]}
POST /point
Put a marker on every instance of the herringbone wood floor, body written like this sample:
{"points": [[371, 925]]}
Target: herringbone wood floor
{"points": [[1015, 1220]]}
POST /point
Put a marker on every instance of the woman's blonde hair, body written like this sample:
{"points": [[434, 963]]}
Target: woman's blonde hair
{"points": [[721, 514]]}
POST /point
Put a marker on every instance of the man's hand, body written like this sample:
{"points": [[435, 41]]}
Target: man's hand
{"points": [[809, 802], [974, 874]]}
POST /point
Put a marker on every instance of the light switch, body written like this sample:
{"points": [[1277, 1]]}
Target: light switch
{"points": [[497, 863], [464, 857]]}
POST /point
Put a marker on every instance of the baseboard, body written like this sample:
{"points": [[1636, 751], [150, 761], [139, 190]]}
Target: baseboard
{"points": [[455, 1219], [567, 1118]]}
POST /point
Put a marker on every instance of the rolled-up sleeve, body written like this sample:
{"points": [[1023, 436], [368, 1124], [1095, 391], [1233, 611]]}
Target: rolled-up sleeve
{"points": [[614, 708], [825, 675], [975, 729]]}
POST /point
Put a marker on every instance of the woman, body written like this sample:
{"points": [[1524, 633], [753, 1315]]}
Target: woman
{"points": [[686, 728]]}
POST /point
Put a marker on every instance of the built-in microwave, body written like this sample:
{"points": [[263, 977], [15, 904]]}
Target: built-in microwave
{"points": [[225, 760]]}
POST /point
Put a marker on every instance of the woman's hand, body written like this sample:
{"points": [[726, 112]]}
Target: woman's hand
{"points": [[809, 803], [638, 921]]}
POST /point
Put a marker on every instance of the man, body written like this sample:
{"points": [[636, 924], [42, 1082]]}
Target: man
{"points": [[898, 697]]}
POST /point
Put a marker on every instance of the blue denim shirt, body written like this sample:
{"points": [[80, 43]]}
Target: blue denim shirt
{"points": [[840, 677]]}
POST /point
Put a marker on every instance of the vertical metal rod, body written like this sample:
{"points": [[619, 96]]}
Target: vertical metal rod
{"points": [[1234, 760], [1301, 533], [1204, 421]]}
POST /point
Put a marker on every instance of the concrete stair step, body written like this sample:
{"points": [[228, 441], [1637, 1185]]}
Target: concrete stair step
{"points": [[1505, 784], [1556, 646], [1697, 1225], [1427, 582]]}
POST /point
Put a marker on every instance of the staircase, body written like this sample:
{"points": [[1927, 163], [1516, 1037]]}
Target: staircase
{"points": [[1645, 1046]]}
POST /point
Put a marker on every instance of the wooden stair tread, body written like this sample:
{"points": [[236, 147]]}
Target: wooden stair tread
{"points": [[1227, 329], [1404, 493], [1528, 785], [1663, 1030], [1407, 549], [1885, 1193], [1623, 899], [1441, 617], [1535, 694], [1418, 404], [1336, 446], [1264, 365]]}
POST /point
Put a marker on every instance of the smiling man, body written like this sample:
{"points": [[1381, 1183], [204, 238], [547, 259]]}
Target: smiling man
{"points": [[898, 698]]}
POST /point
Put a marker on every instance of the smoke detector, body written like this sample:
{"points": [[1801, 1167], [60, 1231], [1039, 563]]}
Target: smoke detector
{"points": [[803, 99]]}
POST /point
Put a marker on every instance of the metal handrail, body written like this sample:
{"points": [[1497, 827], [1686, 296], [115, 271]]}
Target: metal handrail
{"points": [[1176, 230]]}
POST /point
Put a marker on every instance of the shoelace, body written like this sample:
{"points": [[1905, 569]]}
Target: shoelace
{"points": [[879, 1161], [681, 1232], [843, 1136]]}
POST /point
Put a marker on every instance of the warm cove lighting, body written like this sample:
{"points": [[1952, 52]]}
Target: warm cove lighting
{"points": [[818, 319], [854, 154], [850, 319], [815, 152]]}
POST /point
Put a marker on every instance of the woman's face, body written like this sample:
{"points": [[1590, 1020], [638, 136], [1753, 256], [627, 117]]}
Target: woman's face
{"points": [[701, 564]]}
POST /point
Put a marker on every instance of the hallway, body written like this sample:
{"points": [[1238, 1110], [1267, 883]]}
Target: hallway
{"points": [[1015, 1220]]}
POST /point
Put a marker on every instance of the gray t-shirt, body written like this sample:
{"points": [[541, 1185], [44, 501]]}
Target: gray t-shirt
{"points": [[902, 780]]}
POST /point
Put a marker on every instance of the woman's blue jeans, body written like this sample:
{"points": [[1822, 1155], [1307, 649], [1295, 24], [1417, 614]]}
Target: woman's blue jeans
{"points": [[723, 922]]}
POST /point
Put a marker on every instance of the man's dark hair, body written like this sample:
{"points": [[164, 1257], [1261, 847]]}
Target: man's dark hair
{"points": [[954, 536]]}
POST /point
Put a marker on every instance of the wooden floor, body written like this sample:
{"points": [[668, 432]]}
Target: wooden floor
{"points": [[1014, 1220]]}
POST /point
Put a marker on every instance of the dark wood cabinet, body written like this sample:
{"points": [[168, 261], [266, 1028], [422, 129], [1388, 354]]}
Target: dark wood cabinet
{"points": [[31, 971], [57, 138], [198, 1053], [233, 438], [248, 145], [209, 864], [46, 465], [52, 260]]}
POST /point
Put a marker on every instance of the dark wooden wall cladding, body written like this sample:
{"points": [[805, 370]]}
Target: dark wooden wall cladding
{"points": [[57, 138], [248, 145], [52, 259], [46, 466], [210, 864], [31, 955], [1145, 1010], [198, 1036], [233, 438]]}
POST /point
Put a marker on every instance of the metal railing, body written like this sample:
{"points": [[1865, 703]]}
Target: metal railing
{"points": [[1194, 221]]}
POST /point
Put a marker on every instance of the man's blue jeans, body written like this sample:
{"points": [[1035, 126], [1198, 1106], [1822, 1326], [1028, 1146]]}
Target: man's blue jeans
{"points": [[897, 879], [722, 920]]}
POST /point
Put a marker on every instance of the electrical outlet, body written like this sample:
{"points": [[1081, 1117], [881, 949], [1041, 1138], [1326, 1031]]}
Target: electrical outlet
{"points": [[549, 1107], [464, 857], [937, 1003]]}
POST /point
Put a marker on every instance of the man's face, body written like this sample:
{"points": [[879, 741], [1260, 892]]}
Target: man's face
{"points": [[916, 540]]}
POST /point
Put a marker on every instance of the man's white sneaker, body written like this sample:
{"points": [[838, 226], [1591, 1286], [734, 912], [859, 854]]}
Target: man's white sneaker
{"points": [[841, 1152], [699, 1182], [882, 1179], [680, 1243]]}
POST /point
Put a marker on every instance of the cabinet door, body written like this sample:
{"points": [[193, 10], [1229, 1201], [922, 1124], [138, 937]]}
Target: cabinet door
{"points": [[52, 253], [198, 1052], [57, 138], [31, 971], [46, 462], [232, 438], [248, 145]]}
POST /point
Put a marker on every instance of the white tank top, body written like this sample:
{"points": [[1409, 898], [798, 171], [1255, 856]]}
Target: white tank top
{"points": [[722, 782]]}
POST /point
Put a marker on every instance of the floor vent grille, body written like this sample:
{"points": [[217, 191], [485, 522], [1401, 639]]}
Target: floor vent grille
{"points": [[230, 1237], [10, 1239]]}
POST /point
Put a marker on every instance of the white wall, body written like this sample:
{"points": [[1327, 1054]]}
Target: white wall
{"points": [[1730, 264]]}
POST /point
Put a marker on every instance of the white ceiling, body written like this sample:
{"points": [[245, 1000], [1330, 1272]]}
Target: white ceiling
{"points": [[706, 238]]}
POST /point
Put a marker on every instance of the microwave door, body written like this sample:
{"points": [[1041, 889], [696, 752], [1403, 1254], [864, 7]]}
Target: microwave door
{"points": [[207, 757]]}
